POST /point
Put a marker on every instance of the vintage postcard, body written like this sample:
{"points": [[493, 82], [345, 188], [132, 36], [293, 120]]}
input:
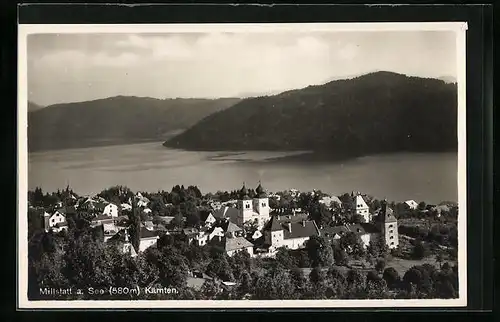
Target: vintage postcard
{"points": [[242, 166]]}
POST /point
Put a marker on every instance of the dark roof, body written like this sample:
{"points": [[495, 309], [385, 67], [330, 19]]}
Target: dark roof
{"points": [[331, 231], [226, 212], [244, 192], [261, 193], [102, 217], [145, 233], [370, 228], [356, 228], [230, 227], [236, 243], [300, 230], [273, 225], [292, 218], [204, 214], [61, 224]]}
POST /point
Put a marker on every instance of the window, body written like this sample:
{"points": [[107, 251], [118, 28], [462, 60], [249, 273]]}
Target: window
{"points": [[263, 204], [392, 237], [390, 226], [247, 206], [392, 243], [391, 231]]}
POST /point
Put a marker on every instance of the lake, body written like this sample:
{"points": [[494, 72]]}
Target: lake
{"points": [[429, 177]]}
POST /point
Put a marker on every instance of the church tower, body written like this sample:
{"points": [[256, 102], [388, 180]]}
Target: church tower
{"points": [[244, 206], [389, 226], [261, 204]]}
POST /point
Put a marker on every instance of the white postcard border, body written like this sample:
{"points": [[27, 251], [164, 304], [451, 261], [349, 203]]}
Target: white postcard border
{"points": [[22, 157]]}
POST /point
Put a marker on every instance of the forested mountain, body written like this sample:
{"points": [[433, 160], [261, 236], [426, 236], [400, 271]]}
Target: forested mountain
{"points": [[121, 119], [375, 113]]}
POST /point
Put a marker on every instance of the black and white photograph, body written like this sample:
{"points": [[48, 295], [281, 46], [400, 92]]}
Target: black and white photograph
{"points": [[242, 165]]}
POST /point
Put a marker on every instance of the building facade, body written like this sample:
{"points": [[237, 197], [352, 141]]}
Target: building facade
{"points": [[253, 210]]}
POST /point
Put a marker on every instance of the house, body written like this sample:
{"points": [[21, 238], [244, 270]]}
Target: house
{"points": [[126, 207], [102, 219], [55, 222], [207, 219], [361, 208], [366, 232], [122, 222], [142, 201], [215, 232], [234, 244], [331, 201], [440, 209], [411, 204], [109, 230], [122, 240], [110, 210], [289, 233], [147, 211], [149, 225], [190, 233], [334, 233], [147, 239], [256, 235], [166, 220], [201, 238]]}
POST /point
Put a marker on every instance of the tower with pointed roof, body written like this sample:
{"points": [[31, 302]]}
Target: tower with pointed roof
{"points": [[244, 206], [389, 226], [261, 204]]}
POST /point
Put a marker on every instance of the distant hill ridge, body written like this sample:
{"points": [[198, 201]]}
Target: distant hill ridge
{"points": [[116, 120], [379, 112]]}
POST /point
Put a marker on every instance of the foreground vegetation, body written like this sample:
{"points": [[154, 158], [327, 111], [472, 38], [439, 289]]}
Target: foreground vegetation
{"points": [[339, 269]]}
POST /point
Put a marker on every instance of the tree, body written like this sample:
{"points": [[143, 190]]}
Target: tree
{"points": [[284, 259], [210, 290], [317, 276], [352, 243], [245, 285], [275, 284], [391, 276], [340, 256], [320, 251], [419, 250], [299, 281], [219, 267], [135, 227], [380, 265]]}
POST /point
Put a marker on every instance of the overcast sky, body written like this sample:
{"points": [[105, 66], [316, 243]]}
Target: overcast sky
{"points": [[78, 67]]}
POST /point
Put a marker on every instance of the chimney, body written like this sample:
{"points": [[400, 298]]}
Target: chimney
{"points": [[278, 217], [289, 227], [303, 223]]}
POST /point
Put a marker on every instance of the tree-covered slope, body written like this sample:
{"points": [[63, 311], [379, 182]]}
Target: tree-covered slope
{"points": [[120, 119], [375, 113]]}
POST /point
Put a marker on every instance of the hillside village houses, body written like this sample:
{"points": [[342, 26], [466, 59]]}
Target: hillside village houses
{"points": [[362, 208], [249, 225], [55, 222], [411, 204]]}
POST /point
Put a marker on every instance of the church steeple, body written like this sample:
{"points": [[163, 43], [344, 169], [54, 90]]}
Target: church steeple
{"points": [[244, 192], [261, 193]]}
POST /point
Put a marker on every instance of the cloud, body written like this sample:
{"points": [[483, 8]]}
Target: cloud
{"points": [[80, 59]]}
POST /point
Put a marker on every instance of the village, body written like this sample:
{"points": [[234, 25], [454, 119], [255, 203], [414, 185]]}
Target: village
{"points": [[264, 226]]}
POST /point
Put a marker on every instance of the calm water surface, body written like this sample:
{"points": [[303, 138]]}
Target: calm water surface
{"points": [[152, 167]]}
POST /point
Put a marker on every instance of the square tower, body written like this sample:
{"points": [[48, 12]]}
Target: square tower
{"points": [[389, 227]]}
